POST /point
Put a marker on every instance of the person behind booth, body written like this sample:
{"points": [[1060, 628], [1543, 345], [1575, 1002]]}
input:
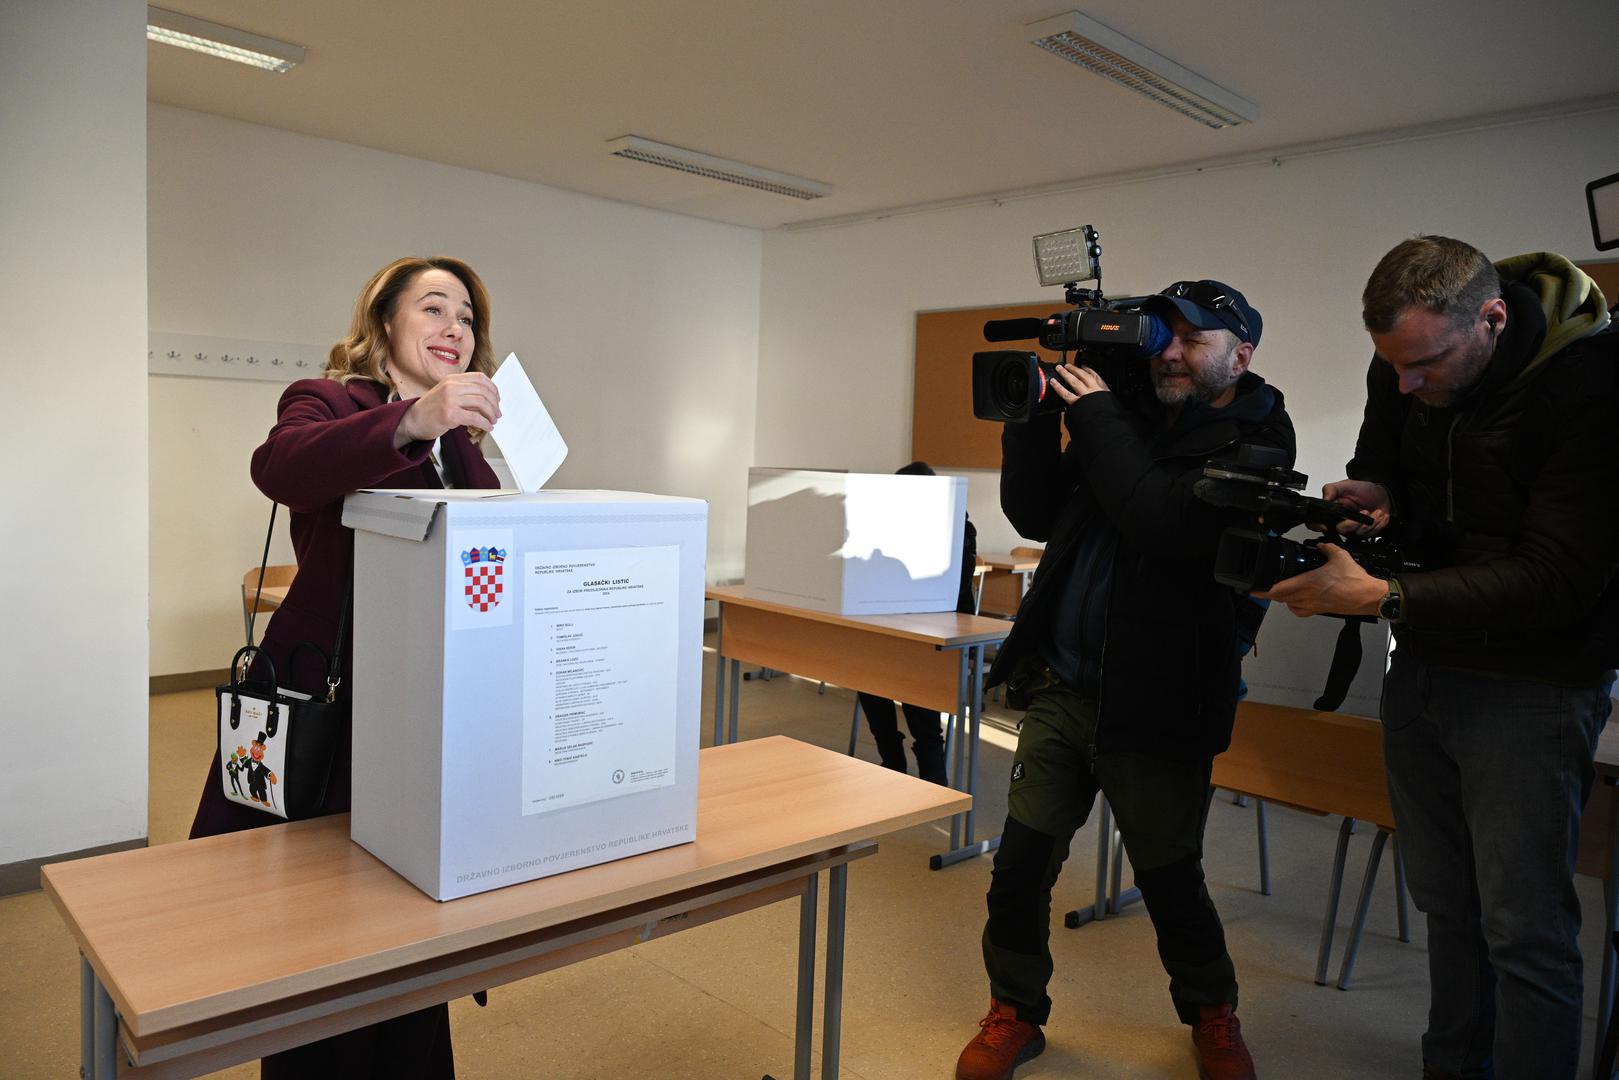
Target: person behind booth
{"points": [[927, 738], [405, 399], [1489, 454], [1127, 653]]}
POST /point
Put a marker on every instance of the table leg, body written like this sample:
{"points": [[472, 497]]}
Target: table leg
{"points": [[105, 1065], [805, 1028], [976, 655], [736, 694], [719, 678], [965, 767], [87, 1018], [719, 704], [837, 902], [959, 781]]}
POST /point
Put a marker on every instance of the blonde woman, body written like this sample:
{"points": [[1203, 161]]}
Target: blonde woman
{"points": [[405, 398]]}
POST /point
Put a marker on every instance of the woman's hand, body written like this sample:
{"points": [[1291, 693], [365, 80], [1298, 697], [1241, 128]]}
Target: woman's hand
{"points": [[468, 399]]}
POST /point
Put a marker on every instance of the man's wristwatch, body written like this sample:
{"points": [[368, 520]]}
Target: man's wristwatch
{"points": [[1392, 606]]}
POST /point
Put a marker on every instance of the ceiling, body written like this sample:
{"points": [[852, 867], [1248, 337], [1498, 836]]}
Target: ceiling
{"points": [[896, 103]]}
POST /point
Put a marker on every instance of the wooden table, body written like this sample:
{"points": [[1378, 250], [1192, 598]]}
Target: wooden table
{"points": [[357, 944], [1006, 580], [934, 660]]}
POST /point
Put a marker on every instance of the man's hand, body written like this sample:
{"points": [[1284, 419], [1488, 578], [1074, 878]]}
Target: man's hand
{"points": [[468, 399], [1340, 587], [1073, 383], [1367, 498]]}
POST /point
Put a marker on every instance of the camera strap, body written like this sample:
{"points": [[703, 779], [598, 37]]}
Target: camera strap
{"points": [[1346, 657]]}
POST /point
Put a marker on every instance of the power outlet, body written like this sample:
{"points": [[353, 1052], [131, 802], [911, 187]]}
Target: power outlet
{"points": [[232, 358]]}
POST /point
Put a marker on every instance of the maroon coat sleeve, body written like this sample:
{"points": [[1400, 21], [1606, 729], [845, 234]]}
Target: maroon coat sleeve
{"points": [[325, 444]]}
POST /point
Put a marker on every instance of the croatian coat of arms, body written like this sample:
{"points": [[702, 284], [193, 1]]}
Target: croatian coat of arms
{"points": [[483, 584]]}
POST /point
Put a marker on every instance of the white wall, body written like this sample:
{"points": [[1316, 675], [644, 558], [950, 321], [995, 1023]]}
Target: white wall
{"points": [[1298, 238], [639, 328], [73, 535]]}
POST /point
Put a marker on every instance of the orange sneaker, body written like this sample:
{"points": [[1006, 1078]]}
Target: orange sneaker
{"points": [[1003, 1043], [1221, 1053]]}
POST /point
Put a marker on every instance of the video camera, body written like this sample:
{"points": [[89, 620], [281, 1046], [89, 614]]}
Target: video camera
{"points": [[1014, 387], [1260, 484]]}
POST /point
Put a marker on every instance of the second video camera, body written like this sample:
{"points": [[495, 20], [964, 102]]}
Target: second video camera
{"points": [[1260, 484]]}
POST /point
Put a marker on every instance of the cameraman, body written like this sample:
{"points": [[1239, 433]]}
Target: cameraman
{"points": [[1488, 452], [1128, 652]]}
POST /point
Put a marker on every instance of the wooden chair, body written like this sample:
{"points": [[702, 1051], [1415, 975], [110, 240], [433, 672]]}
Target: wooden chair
{"points": [[275, 577], [1000, 591]]}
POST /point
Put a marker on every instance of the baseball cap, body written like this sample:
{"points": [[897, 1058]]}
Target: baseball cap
{"points": [[1209, 305]]}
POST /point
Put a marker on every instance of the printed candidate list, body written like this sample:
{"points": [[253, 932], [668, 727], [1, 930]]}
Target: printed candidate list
{"points": [[599, 642]]}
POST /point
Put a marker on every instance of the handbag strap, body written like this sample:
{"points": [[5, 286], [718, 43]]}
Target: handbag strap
{"points": [[264, 562], [334, 674], [334, 670]]}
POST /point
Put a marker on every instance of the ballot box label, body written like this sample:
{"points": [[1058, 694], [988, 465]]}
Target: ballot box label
{"points": [[600, 639]]}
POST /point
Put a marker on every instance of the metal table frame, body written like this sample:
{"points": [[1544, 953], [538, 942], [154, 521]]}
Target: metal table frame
{"points": [[963, 729]]}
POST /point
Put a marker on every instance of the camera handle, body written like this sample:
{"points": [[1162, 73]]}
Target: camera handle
{"points": [[1346, 657]]}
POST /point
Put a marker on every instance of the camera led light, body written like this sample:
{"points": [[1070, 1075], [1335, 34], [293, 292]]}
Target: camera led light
{"points": [[1064, 257]]}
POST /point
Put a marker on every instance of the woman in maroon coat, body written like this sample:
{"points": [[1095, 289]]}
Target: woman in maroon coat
{"points": [[405, 399]]}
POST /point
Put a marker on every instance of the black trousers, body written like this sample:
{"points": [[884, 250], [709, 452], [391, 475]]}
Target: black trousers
{"points": [[926, 734]]}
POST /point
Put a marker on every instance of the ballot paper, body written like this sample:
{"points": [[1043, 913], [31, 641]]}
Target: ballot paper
{"points": [[529, 441]]}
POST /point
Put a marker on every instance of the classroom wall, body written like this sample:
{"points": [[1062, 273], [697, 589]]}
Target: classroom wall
{"points": [[638, 327], [73, 538], [1298, 236]]}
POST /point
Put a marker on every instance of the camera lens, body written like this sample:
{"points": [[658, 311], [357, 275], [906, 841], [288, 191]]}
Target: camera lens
{"points": [[1012, 386]]}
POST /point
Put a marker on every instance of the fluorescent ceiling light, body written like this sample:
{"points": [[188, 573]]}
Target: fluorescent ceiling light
{"points": [[636, 148], [225, 42], [1094, 47]]}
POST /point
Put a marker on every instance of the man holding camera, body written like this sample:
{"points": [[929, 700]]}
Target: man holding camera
{"points": [[1489, 453], [1128, 652]]}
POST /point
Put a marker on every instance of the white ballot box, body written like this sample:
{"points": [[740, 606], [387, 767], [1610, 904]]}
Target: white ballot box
{"points": [[855, 543], [527, 675]]}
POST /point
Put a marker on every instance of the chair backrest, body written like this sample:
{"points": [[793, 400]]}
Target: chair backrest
{"points": [[1031, 552], [275, 577]]}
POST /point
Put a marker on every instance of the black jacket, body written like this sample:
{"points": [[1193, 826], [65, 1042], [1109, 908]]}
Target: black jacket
{"points": [[1507, 497], [1170, 663]]}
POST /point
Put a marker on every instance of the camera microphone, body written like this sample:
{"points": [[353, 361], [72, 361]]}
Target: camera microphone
{"points": [[1013, 329]]}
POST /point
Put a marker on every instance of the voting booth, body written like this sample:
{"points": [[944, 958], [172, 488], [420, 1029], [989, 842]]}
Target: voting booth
{"points": [[527, 677], [855, 543]]}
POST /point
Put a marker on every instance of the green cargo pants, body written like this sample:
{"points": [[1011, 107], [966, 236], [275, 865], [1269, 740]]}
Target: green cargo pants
{"points": [[1160, 806]]}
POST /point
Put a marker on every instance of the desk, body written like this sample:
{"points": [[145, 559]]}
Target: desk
{"points": [[357, 943], [934, 660], [273, 596], [1006, 581]]}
